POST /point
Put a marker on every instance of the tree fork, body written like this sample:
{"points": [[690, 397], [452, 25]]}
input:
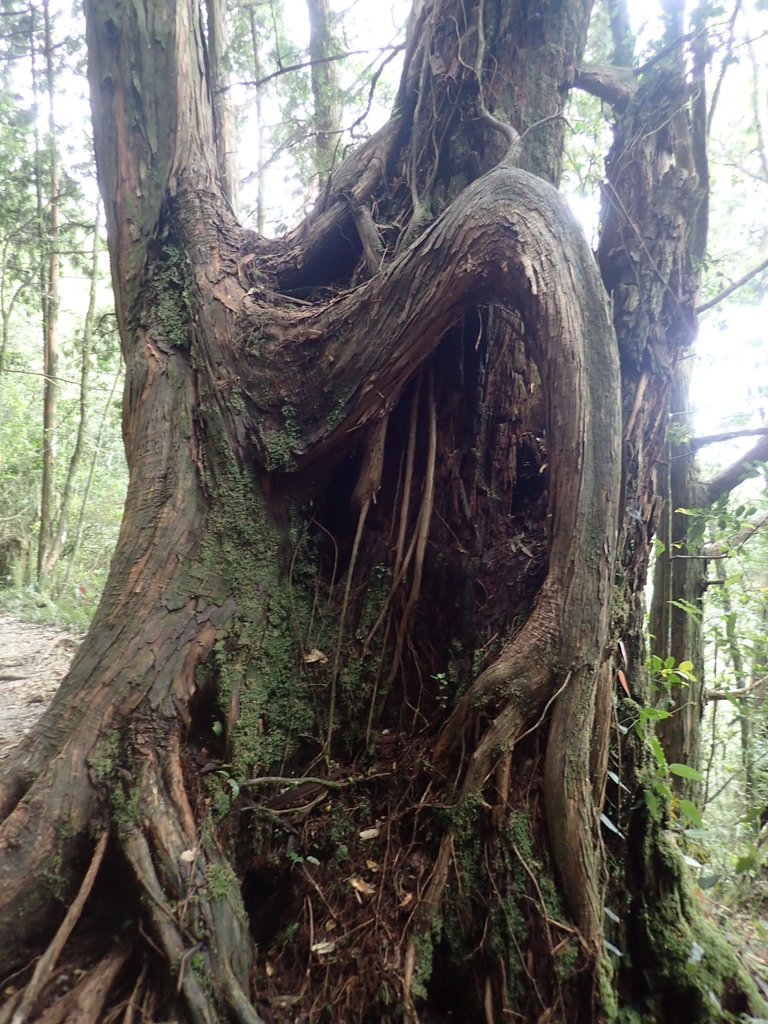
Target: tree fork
{"points": [[232, 389], [167, 377]]}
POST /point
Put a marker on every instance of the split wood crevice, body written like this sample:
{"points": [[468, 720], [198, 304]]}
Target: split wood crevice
{"points": [[508, 240]]}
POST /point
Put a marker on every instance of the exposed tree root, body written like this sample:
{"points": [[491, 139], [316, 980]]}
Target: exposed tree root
{"points": [[54, 815], [419, 543], [364, 494], [86, 1001], [506, 696], [194, 900], [402, 559], [572, 817], [47, 961]]}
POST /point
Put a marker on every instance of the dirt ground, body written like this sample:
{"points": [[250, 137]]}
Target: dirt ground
{"points": [[33, 660]]}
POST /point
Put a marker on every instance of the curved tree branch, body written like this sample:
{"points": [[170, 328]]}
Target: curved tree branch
{"points": [[287, 69], [697, 443], [509, 234], [733, 544], [754, 687], [744, 279], [614, 85], [729, 478]]}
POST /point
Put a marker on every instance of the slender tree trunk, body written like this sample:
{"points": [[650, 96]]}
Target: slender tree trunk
{"points": [[325, 86], [78, 535], [680, 580], [62, 524], [260, 126], [219, 64], [677, 604], [741, 681], [758, 671], [49, 283], [10, 294]]}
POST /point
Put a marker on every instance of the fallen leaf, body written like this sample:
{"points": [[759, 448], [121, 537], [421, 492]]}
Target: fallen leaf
{"points": [[323, 947], [406, 901], [369, 833], [372, 865], [623, 680], [361, 886], [188, 855], [315, 657]]}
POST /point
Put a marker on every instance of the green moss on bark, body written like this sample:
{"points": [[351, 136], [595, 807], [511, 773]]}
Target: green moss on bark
{"points": [[691, 972], [263, 689], [172, 308]]}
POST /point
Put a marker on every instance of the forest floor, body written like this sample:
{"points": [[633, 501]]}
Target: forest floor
{"points": [[35, 658], [33, 661]]}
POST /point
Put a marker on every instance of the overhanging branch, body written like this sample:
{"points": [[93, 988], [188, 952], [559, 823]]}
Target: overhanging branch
{"points": [[286, 69], [744, 691], [745, 279], [613, 85], [733, 544], [725, 482], [697, 443]]}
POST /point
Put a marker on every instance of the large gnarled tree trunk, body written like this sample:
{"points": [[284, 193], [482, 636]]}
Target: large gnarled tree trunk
{"points": [[348, 691]]}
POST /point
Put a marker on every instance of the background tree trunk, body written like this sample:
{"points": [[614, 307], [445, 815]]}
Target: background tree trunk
{"points": [[48, 214], [219, 66], [679, 582], [681, 578], [325, 86], [62, 520]]}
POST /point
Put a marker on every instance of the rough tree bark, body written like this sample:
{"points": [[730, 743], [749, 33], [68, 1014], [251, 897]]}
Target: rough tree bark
{"points": [[320, 789]]}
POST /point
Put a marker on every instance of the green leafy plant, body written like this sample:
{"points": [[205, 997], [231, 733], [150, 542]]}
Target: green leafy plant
{"points": [[442, 694], [666, 674], [297, 859]]}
